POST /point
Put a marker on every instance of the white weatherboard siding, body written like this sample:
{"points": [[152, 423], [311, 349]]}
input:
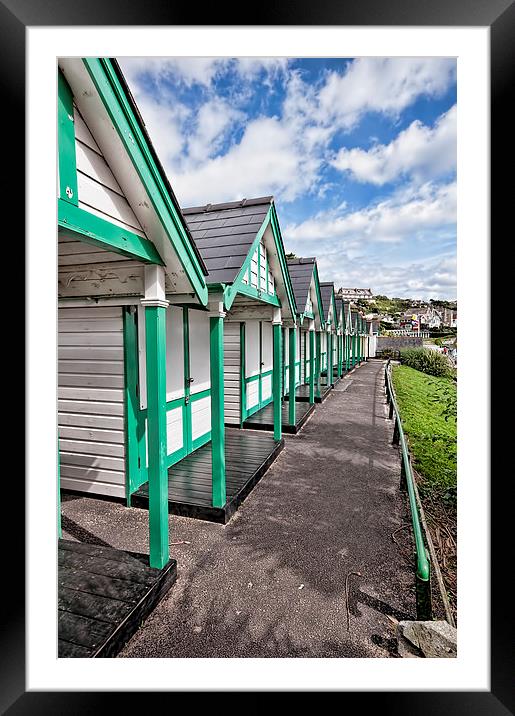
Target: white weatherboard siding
{"points": [[232, 385], [99, 192], [87, 270], [91, 409]]}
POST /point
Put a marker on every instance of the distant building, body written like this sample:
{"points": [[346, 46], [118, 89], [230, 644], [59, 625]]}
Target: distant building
{"points": [[421, 316], [448, 316], [353, 294]]}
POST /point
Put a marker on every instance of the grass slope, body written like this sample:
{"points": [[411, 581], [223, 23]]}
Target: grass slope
{"points": [[423, 401]]}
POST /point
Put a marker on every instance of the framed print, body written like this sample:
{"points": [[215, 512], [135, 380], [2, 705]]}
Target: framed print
{"points": [[216, 362]]}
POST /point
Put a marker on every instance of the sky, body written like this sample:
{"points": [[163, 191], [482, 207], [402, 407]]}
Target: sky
{"points": [[359, 154]]}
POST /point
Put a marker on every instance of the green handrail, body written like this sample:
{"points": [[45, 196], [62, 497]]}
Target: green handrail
{"points": [[423, 570]]}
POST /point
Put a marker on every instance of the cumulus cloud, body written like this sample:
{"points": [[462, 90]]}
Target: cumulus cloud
{"points": [[410, 214], [386, 85], [265, 161], [423, 279], [419, 151]]}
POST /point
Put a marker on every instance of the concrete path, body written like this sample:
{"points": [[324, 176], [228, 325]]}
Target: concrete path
{"points": [[272, 583]]}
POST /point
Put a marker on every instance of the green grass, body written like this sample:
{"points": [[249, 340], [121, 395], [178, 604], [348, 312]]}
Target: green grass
{"points": [[424, 402]]}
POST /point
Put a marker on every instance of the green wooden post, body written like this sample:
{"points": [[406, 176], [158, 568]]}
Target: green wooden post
{"points": [[318, 358], [155, 343], [216, 354], [291, 376], [330, 358], [277, 380], [339, 353], [312, 365]]}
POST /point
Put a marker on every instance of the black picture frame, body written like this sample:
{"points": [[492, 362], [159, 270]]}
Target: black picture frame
{"points": [[499, 15]]}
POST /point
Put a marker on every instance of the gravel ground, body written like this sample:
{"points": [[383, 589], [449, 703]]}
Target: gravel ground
{"points": [[272, 583]]}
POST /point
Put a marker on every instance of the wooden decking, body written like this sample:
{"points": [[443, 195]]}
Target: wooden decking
{"points": [[104, 595], [302, 393], [248, 455], [264, 418]]}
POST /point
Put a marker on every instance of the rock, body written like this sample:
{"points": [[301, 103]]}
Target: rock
{"points": [[435, 639]]}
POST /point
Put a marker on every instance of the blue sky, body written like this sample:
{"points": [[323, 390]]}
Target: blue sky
{"points": [[360, 155]]}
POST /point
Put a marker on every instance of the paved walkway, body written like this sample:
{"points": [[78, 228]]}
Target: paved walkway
{"points": [[272, 583]]}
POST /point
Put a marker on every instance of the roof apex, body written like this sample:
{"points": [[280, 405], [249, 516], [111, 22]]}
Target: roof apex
{"points": [[228, 205]]}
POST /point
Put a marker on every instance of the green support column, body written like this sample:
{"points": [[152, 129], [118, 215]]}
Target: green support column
{"points": [[339, 351], [353, 351], [318, 356], [216, 355], [291, 376], [312, 366], [330, 359], [277, 381], [155, 340]]}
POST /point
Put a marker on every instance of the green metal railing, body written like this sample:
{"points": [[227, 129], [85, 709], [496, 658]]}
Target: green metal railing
{"points": [[423, 564]]}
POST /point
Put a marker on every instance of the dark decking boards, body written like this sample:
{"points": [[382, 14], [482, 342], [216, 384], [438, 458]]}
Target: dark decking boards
{"points": [[104, 594], [302, 393], [247, 457], [264, 419]]}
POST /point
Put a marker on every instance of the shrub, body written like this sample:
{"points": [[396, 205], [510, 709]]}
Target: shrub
{"points": [[427, 361]]}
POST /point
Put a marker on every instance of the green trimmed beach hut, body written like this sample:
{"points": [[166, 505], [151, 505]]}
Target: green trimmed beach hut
{"points": [[125, 255], [242, 247], [329, 335], [305, 362]]}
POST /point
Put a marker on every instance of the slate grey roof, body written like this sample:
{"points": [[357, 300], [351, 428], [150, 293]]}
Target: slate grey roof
{"points": [[224, 233], [326, 289], [346, 305], [340, 308], [301, 272]]}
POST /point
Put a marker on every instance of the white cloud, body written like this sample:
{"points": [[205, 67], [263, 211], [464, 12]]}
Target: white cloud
{"points": [[411, 214], [424, 278], [185, 70], [265, 161], [386, 85], [419, 151], [214, 119]]}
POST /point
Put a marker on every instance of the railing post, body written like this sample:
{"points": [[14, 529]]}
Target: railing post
{"points": [[390, 412], [396, 434]]}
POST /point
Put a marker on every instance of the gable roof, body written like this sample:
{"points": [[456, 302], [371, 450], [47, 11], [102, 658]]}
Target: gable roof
{"points": [[340, 309], [224, 234], [347, 315], [327, 291], [96, 88], [354, 318], [301, 272]]}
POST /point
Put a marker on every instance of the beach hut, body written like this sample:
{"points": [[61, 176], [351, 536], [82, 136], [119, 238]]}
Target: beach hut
{"points": [[124, 254], [329, 335], [242, 247], [354, 344], [306, 364], [340, 330]]}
